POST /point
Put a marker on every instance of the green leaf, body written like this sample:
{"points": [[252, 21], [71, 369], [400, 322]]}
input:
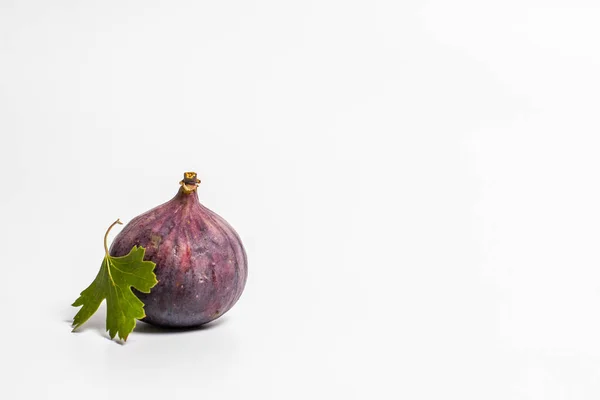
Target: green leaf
{"points": [[114, 281]]}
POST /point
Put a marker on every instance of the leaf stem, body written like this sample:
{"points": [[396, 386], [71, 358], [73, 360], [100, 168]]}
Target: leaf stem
{"points": [[118, 221]]}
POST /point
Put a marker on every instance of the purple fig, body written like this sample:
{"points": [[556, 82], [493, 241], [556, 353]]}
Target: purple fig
{"points": [[201, 264]]}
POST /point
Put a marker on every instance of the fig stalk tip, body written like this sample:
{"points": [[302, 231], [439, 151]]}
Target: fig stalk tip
{"points": [[190, 182]]}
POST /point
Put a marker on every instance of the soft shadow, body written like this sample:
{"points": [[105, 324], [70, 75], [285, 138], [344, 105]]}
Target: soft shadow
{"points": [[145, 328], [93, 324]]}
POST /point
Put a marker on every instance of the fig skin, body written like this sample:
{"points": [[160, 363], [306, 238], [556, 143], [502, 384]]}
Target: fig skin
{"points": [[201, 264]]}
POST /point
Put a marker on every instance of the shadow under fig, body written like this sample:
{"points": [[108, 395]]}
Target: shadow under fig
{"points": [[146, 328]]}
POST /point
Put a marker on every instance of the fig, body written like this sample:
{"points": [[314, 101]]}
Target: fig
{"points": [[201, 264]]}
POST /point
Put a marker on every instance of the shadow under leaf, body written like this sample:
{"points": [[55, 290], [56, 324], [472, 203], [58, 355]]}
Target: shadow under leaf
{"points": [[95, 324]]}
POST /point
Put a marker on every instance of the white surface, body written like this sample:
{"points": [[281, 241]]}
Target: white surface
{"points": [[415, 182]]}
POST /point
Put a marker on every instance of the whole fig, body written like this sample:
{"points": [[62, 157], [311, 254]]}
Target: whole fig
{"points": [[201, 264]]}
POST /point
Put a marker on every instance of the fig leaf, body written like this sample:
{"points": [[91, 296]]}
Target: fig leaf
{"points": [[114, 281]]}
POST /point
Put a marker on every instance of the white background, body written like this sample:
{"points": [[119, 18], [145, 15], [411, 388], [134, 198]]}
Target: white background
{"points": [[415, 182]]}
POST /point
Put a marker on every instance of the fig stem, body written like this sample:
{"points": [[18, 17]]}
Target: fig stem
{"points": [[118, 221], [190, 182], [188, 189]]}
